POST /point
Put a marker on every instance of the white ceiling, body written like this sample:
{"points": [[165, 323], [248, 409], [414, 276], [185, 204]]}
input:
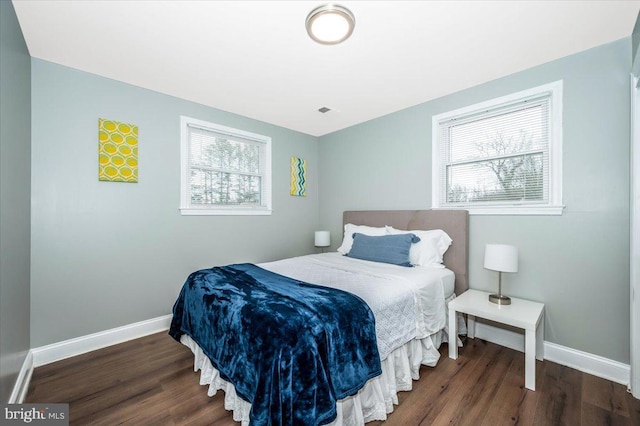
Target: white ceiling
{"points": [[254, 58]]}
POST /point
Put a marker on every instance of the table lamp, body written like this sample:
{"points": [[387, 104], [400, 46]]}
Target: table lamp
{"points": [[501, 258], [322, 239]]}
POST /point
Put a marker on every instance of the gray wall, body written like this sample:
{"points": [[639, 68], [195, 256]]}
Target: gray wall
{"points": [[635, 45], [577, 263], [15, 198], [107, 254]]}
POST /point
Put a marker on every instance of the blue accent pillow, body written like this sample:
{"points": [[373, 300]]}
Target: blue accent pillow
{"points": [[392, 249]]}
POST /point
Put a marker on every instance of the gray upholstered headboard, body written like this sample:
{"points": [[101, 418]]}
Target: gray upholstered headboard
{"points": [[453, 222]]}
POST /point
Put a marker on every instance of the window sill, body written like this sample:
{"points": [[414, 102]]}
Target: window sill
{"points": [[513, 211], [223, 212]]}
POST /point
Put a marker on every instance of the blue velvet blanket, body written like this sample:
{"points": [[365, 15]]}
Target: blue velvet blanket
{"points": [[290, 348]]}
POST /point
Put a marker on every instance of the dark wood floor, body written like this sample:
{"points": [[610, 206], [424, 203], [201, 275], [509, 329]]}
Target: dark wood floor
{"points": [[150, 381]]}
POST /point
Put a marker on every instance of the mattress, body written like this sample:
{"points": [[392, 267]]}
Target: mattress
{"points": [[408, 303]]}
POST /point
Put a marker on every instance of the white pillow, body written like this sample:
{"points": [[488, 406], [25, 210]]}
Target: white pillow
{"points": [[431, 248], [350, 229]]}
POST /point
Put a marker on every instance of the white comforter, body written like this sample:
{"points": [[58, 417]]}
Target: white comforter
{"points": [[408, 303]]}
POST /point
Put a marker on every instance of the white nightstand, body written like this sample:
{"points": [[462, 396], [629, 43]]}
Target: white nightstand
{"points": [[521, 313]]}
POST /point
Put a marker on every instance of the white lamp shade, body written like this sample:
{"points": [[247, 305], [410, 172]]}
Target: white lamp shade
{"points": [[501, 257], [322, 239]]}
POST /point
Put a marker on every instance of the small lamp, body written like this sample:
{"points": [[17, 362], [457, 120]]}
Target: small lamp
{"points": [[501, 258], [322, 239]]}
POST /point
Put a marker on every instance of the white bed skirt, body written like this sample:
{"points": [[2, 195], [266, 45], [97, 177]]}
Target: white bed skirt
{"points": [[373, 402]]}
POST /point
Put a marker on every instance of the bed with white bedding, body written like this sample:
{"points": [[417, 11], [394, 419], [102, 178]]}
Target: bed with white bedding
{"points": [[407, 303], [409, 306]]}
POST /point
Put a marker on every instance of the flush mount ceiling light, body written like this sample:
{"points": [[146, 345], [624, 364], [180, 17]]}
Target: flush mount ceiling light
{"points": [[330, 24]]}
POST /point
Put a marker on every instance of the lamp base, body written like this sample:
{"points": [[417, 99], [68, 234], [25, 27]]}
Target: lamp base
{"points": [[499, 299]]}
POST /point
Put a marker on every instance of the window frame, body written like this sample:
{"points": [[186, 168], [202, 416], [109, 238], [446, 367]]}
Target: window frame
{"points": [[553, 206], [186, 208]]}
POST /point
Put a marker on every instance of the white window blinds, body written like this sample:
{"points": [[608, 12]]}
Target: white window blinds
{"points": [[224, 170], [497, 155]]}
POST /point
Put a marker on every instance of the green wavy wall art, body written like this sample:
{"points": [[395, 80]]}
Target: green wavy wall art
{"points": [[298, 177]]}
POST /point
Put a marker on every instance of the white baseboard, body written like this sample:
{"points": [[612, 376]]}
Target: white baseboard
{"points": [[21, 386], [583, 361], [80, 345], [588, 363], [500, 336]]}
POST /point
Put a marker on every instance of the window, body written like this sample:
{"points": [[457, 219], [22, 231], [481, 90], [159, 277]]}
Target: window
{"points": [[225, 171], [503, 156]]}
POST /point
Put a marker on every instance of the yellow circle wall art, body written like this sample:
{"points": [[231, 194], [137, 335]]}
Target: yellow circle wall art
{"points": [[124, 128], [126, 172], [117, 138], [104, 160], [117, 151]]}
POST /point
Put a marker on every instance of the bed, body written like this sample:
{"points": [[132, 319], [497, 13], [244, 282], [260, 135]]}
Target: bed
{"points": [[392, 319]]}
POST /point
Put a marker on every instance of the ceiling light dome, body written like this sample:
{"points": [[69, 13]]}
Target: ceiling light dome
{"points": [[330, 24]]}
